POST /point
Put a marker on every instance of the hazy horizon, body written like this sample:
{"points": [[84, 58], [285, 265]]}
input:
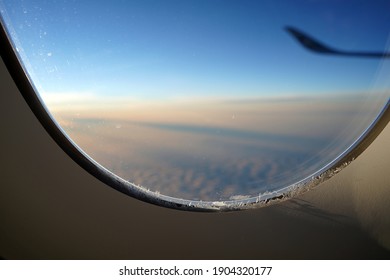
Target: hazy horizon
{"points": [[220, 149]]}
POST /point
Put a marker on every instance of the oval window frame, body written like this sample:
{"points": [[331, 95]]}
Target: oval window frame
{"points": [[9, 54]]}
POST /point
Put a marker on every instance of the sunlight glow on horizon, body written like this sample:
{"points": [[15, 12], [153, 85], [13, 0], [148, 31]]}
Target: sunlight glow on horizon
{"points": [[191, 152]]}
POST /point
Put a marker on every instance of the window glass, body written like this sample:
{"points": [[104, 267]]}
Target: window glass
{"points": [[207, 100]]}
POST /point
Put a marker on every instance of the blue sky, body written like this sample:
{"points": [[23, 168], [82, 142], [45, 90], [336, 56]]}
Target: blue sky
{"points": [[174, 48]]}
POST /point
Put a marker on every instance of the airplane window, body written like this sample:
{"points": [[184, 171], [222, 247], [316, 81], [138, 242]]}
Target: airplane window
{"points": [[205, 105]]}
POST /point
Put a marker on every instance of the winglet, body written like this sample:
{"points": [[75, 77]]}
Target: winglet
{"points": [[313, 45], [310, 43]]}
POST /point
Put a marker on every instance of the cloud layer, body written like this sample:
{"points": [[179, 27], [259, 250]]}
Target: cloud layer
{"points": [[213, 149]]}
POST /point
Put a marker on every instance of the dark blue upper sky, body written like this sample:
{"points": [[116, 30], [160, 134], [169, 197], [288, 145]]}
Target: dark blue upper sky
{"points": [[163, 49]]}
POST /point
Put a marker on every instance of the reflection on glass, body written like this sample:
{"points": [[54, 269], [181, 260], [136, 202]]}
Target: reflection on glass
{"points": [[205, 100]]}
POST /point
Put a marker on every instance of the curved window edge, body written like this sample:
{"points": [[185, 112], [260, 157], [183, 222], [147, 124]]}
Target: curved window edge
{"points": [[8, 53]]}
